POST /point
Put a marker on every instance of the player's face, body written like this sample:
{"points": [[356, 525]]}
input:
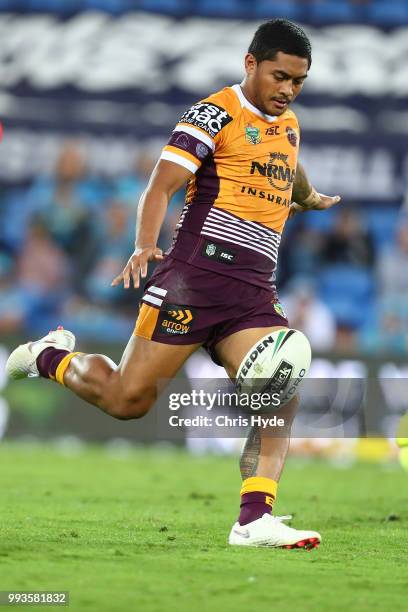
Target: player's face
{"points": [[274, 84]]}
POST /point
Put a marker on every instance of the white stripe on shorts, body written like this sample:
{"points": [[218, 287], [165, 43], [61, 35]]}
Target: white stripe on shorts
{"points": [[153, 300], [157, 290]]}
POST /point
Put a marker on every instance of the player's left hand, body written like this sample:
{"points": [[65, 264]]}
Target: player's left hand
{"points": [[320, 202]]}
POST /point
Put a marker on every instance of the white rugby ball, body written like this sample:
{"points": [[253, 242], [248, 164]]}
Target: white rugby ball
{"points": [[276, 364]]}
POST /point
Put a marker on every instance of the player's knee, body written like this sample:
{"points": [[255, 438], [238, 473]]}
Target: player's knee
{"points": [[133, 405]]}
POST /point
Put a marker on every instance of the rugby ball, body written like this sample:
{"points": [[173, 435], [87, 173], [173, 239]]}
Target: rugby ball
{"points": [[276, 364]]}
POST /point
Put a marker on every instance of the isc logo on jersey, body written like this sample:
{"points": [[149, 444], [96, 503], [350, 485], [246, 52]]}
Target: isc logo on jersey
{"points": [[209, 117]]}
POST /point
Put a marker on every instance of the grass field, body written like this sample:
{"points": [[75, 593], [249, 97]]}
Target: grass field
{"points": [[147, 531]]}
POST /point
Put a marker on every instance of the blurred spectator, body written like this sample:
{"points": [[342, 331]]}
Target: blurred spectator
{"points": [[42, 266], [43, 273], [69, 204], [348, 242], [69, 235], [129, 188], [13, 305], [388, 333], [392, 265], [115, 246], [16, 210], [309, 314], [91, 321], [300, 252]]}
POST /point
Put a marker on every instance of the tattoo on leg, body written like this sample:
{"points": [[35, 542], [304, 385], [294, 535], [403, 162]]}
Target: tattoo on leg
{"points": [[250, 455]]}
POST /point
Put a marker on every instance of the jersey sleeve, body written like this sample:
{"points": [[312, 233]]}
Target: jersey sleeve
{"points": [[197, 135]]}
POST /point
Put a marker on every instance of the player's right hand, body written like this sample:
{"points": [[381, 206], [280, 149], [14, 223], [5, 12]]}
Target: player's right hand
{"points": [[321, 202], [136, 267]]}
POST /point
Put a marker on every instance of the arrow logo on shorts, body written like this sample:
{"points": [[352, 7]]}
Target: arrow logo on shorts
{"points": [[184, 316]]}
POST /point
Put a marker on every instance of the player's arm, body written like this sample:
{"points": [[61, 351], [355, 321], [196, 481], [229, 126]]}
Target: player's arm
{"points": [[194, 139], [166, 179], [305, 196]]}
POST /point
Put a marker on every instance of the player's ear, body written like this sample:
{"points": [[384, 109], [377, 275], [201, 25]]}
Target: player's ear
{"points": [[250, 64]]}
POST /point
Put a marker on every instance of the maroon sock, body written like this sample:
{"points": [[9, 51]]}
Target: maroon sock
{"points": [[253, 506], [48, 361]]}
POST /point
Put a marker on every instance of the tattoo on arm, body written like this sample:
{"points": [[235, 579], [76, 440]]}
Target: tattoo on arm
{"points": [[301, 187], [250, 455]]}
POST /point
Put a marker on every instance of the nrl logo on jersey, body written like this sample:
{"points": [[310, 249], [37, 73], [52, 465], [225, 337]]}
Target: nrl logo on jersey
{"points": [[252, 134], [210, 250]]}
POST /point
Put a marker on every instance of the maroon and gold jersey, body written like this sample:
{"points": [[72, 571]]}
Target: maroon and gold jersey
{"points": [[237, 202]]}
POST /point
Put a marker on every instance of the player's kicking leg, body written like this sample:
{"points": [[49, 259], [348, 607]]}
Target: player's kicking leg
{"points": [[126, 391], [261, 464]]}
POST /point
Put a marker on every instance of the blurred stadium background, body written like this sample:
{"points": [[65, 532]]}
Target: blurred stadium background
{"points": [[89, 92]]}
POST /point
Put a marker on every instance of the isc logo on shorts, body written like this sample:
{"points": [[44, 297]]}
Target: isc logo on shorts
{"points": [[209, 117], [175, 320]]}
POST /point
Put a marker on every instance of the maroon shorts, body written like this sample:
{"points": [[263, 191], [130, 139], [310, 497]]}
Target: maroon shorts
{"points": [[183, 304]]}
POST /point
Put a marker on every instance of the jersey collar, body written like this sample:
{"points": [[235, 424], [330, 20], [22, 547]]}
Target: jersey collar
{"points": [[247, 104]]}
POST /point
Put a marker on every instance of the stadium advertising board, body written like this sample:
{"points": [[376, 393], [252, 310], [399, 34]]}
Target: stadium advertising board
{"points": [[120, 83]]}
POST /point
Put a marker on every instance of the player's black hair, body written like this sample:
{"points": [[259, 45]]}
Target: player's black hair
{"points": [[280, 35]]}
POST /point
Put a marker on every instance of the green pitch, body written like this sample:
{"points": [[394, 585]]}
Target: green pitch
{"points": [[148, 532]]}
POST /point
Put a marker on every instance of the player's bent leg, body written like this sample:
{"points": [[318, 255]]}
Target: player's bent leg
{"points": [[129, 390], [126, 391], [264, 453]]}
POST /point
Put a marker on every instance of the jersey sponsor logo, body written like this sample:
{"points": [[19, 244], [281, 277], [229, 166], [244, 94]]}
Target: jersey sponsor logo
{"points": [[252, 135], [175, 320], [292, 136], [274, 130], [265, 195], [277, 170], [218, 252], [209, 117], [201, 150]]}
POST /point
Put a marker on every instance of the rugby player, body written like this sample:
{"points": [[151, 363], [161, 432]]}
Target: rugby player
{"points": [[237, 150]]}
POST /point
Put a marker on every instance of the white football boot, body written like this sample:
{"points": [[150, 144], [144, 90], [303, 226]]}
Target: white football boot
{"points": [[271, 531], [22, 362]]}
